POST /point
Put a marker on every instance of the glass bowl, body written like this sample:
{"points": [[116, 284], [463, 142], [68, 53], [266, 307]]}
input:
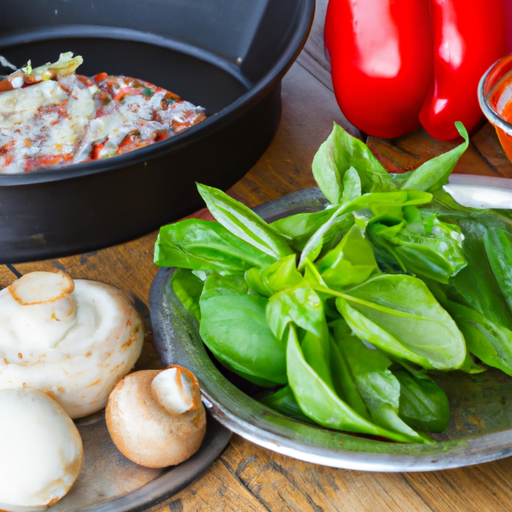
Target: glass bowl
{"points": [[495, 98]]}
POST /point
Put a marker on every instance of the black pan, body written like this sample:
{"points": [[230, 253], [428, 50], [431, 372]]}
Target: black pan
{"points": [[228, 56]]}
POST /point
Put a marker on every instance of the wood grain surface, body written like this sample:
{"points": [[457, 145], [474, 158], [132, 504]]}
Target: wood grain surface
{"points": [[249, 478]]}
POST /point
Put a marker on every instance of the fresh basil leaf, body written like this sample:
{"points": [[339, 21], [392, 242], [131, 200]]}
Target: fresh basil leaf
{"points": [[476, 284], [423, 404], [491, 342], [244, 223], [498, 247], [485, 337], [380, 203], [424, 247], [235, 329], [256, 283], [351, 186], [317, 352], [284, 402], [188, 289], [470, 365], [227, 284], [399, 315], [434, 173], [301, 306], [351, 262], [279, 276], [319, 401], [299, 228], [343, 379], [324, 233], [378, 387], [205, 245], [474, 297], [339, 153]]}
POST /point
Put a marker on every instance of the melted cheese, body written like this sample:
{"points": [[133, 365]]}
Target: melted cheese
{"points": [[42, 120], [58, 122]]}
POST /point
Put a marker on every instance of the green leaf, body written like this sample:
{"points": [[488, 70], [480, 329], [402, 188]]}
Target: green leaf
{"points": [[400, 316], [390, 205], [302, 309], [489, 341], [317, 352], [343, 379], [424, 247], [351, 186], [498, 247], [244, 223], [188, 289], [228, 284], [378, 387], [382, 204], [485, 337], [339, 153], [320, 402], [434, 173], [314, 245], [284, 402], [279, 276], [205, 245], [351, 262], [301, 306], [235, 329], [299, 228], [476, 284], [474, 297], [423, 404]]}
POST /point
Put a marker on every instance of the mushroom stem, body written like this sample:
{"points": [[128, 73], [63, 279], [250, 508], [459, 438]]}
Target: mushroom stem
{"points": [[41, 287], [39, 308], [176, 390]]}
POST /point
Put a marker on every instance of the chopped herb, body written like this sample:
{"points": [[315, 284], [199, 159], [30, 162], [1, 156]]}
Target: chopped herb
{"points": [[28, 68]]}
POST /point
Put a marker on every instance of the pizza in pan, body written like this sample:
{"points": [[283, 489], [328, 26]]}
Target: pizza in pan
{"points": [[51, 116]]}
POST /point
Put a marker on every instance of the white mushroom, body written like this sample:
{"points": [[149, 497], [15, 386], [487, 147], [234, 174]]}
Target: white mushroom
{"points": [[156, 418], [41, 451], [74, 340]]}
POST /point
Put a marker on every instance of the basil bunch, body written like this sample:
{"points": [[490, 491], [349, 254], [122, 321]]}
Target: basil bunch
{"points": [[345, 310]]}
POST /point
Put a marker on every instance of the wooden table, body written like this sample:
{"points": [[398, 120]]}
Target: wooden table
{"points": [[246, 477]]}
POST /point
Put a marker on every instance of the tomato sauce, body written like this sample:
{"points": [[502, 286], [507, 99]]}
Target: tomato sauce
{"points": [[499, 100]]}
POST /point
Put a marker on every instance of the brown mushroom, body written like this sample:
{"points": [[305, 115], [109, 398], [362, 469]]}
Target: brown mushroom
{"points": [[156, 418]]}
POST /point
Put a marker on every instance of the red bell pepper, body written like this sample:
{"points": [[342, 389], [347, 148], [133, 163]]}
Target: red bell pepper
{"points": [[396, 63]]}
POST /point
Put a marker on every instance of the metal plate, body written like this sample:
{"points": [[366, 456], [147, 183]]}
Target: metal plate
{"points": [[109, 482], [481, 405]]}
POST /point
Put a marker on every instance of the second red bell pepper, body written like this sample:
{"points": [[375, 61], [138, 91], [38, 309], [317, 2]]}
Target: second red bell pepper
{"points": [[396, 63]]}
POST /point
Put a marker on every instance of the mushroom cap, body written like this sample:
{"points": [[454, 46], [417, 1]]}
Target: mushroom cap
{"points": [[41, 450], [144, 431], [74, 344]]}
